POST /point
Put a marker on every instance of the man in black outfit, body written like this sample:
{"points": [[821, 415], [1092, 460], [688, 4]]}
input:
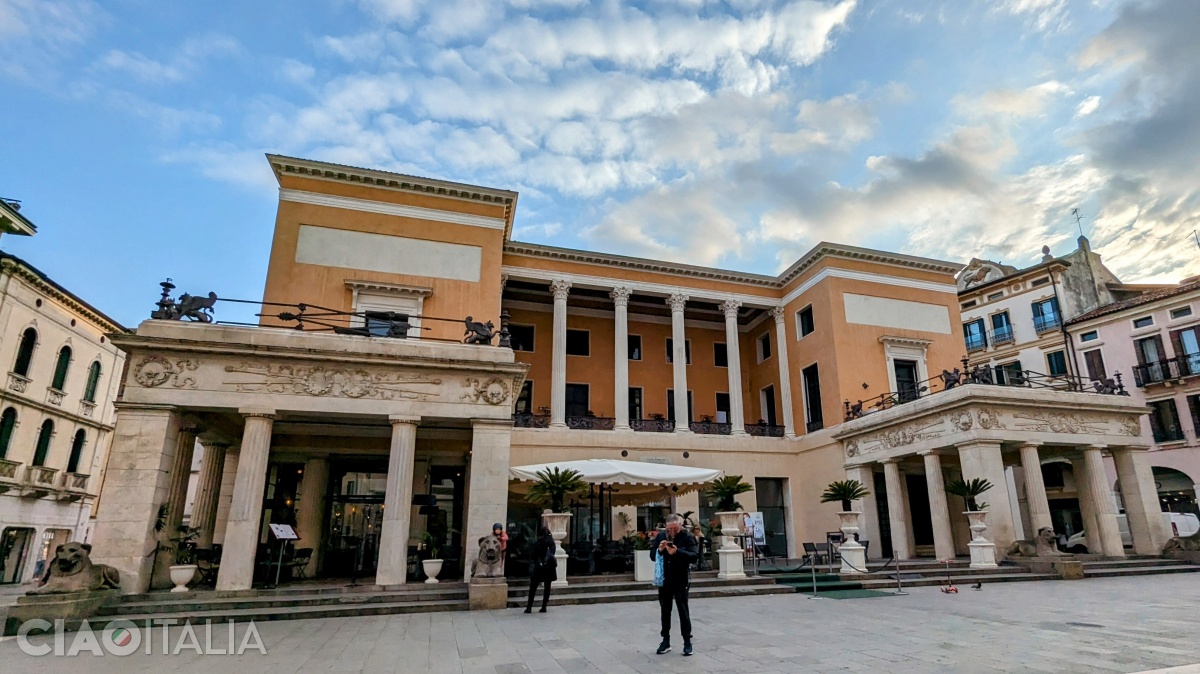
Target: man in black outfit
{"points": [[678, 549]]}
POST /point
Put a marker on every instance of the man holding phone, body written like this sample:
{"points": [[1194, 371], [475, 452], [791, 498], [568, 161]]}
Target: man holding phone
{"points": [[679, 550]]}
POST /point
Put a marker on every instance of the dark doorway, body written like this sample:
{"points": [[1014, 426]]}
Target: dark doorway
{"points": [[906, 379], [885, 522], [577, 400], [768, 405], [355, 518], [447, 484], [918, 508]]}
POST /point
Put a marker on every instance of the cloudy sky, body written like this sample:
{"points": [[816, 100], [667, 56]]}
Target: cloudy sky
{"points": [[732, 133]]}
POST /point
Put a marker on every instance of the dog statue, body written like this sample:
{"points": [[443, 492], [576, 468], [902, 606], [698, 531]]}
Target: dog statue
{"points": [[1041, 546], [72, 570], [1184, 543], [490, 562]]}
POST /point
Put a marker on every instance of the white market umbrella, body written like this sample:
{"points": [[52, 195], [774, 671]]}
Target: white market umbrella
{"points": [[632, 482]]}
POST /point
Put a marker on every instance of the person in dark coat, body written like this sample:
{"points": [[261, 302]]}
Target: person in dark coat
{"points": [[678, 549], [543, 568]]}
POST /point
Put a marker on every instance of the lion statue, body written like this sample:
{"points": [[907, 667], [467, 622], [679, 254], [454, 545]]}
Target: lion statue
{"points": [[1184, 543], [72, 570], [490, 562], [1041, 546]]}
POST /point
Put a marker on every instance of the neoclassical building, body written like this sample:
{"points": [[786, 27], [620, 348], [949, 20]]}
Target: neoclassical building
{"points": [[352, 409]]}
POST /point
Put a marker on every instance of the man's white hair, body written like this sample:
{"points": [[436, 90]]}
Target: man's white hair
{"points": [[674, 518]]}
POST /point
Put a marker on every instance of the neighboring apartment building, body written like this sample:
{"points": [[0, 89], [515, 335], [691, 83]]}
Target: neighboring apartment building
{"points": [[1153, 340], [56, 410]]}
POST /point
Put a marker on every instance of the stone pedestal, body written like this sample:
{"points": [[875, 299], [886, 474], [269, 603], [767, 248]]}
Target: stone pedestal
{"points": [[983, 551], [729, 556], [557, 523], [643, 568], [73, 607], [1065, 567], [486, 594], [854, 556]]}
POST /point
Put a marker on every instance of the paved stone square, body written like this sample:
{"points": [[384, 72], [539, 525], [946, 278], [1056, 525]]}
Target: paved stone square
{"points": [[1103, 625]]}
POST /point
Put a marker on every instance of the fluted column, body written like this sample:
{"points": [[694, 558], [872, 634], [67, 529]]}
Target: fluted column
{"points": [[620, 298], [208, 491], [558, 365], [177, 487], [397, 503], [245, 511], [679, 358], [785, 378], [733, 355], [939, 510], [1146, 526], [1035, 489], [1102, 504], [1086, 513], [896, 509]]}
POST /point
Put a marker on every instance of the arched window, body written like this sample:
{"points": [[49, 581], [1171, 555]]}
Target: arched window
{"points": [[25, 352], [43, 443], [60, 370], [8, 423], [93, 380], [76, 451]]}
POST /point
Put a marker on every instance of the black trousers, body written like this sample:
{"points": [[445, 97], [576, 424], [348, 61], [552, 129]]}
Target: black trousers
{"points": [[677, 594], [534, 581]]}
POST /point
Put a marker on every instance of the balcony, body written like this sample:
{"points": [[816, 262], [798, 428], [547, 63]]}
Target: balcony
{"points": [[591, 423], [8, 475], [55, 396], [74, 486], [652, 425], [39, 481], [87, 408], [765, 430], [531, 421], [710, 428], [1002, 336], [975, 343], [17, 382], [1047, 323], [813, 426], [1164, 371]]}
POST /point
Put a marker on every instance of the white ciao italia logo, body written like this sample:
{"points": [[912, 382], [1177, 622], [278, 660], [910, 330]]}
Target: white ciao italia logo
{"points": [[124, 637]]}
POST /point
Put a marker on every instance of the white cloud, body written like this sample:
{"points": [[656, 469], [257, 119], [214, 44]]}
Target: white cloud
{"points": [[140, 66], [1087, 106], [184, 62], [36, 34]]}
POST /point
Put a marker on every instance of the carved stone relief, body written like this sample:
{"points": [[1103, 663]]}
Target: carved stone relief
{"points": [[1060, 422], [337, 382], [154, 371], [989, 419], [492, 391]]}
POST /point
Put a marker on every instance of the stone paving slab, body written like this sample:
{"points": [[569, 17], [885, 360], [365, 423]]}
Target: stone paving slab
{"points": [[1139, 624]]}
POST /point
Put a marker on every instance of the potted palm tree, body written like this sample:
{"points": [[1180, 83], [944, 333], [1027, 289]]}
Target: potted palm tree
{"points": [[851, 551], [552, 488], [184, 569], [983, 551], [844, 491], [432, 565], [725, 490]]}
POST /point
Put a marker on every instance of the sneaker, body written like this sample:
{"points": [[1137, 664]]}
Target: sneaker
{"points": [[529, 610], [663, 647], [542, 609], [687, 648]]}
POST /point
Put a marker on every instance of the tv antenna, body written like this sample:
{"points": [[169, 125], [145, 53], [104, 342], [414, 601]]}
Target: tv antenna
{"points": [[1079, 221]]}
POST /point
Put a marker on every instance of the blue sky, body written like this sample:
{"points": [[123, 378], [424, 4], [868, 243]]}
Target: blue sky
{"points": [[733, 134]]}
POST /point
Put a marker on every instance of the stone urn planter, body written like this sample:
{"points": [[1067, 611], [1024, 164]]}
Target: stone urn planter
{"points": [[643, 568], [730, 563], [983, 551], [181, 575], [432, 568], [557, 524], [853, 554]]}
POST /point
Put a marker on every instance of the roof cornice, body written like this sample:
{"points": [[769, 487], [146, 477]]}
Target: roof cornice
{"points": [[1018, 275], [12, 222], [17, 267], [825, 249]]}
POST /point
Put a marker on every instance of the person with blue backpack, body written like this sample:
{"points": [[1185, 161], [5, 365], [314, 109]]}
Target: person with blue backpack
{"points": [[673, 552]]}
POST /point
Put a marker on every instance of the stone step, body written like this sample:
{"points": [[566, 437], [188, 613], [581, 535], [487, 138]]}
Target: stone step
{"points": [[1090, 571], [1151, 562], [291, 613], [517, 588], [169, 604], [960, 581], [289, 590], [651, 594]]}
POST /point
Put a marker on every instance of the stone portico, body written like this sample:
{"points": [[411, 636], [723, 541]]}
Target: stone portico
{"points": [[981, 431], [257, 396]]}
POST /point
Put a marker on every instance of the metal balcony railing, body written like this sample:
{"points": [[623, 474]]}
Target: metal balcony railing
{"points": [[652, 425], [1046, 323], [710, 428], [765, 430], [531, 420], [1170, 369], [975, 343], [1002, 336], [591, 423]]}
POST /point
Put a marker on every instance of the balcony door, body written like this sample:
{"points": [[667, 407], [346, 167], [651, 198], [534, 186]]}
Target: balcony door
{"points": [[577, 400], [906, 379]]}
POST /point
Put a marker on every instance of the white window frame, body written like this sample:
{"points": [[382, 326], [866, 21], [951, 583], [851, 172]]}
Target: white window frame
{"points": [[758, 346], [799, 327], [906, 348], [380, 297]]}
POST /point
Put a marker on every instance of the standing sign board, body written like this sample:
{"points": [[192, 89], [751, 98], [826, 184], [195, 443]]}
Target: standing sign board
{"points": [[284, 532]]}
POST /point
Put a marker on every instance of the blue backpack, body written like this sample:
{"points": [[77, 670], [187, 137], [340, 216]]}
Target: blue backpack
{"points": [[660, 570]]}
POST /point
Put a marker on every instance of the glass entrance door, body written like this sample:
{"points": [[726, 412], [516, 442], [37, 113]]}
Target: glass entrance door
{"points": [[355, 521]]}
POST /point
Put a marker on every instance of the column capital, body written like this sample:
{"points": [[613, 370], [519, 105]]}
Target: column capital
{"points": [[1130, 448], [777, 313], [560, 288], [928, 452], [620, 295], [397, 419], [892, 461], [731, 308], [261, 412], [503, 281], [677, 301], [214, 442], [1030, 443]]}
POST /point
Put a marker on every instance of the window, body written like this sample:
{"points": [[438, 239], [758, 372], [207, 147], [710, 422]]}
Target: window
{"points": [[1010, 374], [1143, 322], [635, 402], [525, 399], [390, 324], [723, 408], [577, 400], [1194, 407], [60, 368], [1187, 350], [995, 296], [578, 343], [1149, 349], [1164, 421], [1039, 282], [720, 355], [43, 443], [1094, 360], [804, 322], [811, 381], [671, 405], [1150, 354], [764, 347], [93, 380], [687, 348], [906, 379], [1181, 312], [1089, 336], [521, 337], [1056, 364], [766, 402], [8, 423], [25, 352], [635, 347], [968, 305], [973, 335], [1002, 331], [1045, 315], [76, 451]]}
